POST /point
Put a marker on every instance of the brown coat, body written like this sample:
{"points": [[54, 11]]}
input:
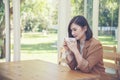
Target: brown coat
{"points": [[92, 61]]}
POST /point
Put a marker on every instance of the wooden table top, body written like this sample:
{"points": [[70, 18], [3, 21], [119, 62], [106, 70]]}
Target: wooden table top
{"points": [[40, 70]]}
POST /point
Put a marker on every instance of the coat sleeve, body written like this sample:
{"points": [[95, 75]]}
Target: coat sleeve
{"points": [[94, 55], [72, 64]]}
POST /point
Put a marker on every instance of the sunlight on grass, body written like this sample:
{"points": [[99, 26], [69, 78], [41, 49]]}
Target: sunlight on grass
{"points": [[36, 38], [39, 46], [108, 40]]}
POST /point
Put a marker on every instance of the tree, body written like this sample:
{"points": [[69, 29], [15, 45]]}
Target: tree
{"points": [[77, 7], [108, 13], [1, 18], [38, 12], [2, 26]]}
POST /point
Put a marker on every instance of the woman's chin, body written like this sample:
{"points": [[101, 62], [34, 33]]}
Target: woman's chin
{"points": [[76, 38]]}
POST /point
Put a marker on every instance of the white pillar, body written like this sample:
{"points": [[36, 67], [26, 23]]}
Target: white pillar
{"points": [[118, 48], [64, 13], [85, 8], [7, 30], [95, 18], [16, 26]]}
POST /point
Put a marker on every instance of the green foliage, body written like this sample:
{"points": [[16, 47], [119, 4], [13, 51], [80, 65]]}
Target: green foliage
{"points": [[31, 14], [77, 7], [1, 20], [1, 11], [37, 14], [89, 11], [108, 13], [52, 31]]}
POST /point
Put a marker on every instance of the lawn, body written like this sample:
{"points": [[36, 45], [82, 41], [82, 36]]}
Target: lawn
{"points": [[39, 43], [108, 40], [44, 47], [39, 46]]}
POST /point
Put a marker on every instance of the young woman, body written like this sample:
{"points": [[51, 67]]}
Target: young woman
{"points": [[85, 52]]}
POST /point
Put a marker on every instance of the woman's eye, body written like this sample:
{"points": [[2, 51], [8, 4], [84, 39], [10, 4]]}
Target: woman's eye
{"points": [[74, 29]]}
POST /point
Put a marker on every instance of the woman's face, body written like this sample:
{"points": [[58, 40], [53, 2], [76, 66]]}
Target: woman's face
{"points": [[77, 31]]}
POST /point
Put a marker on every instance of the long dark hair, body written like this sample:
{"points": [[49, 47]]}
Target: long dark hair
{"points": [[82, 22]]}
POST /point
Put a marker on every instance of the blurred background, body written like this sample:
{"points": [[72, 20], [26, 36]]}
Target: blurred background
{"points": [[39, 26]]}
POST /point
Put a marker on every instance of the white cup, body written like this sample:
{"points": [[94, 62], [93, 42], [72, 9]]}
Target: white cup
{"points": [[70, 39]]}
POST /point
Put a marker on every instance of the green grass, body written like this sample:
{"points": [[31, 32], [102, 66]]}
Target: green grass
{"points": [[38, 46], [108, 40], [38, 43]]}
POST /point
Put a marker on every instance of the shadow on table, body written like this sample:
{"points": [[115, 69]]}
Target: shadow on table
{"points": [[4, 78]]}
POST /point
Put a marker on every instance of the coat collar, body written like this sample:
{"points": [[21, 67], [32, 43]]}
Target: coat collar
{"points": [[87, 43], [85, 50]]}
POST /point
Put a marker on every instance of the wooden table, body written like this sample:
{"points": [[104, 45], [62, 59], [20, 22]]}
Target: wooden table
{"points": [[40, 70]]}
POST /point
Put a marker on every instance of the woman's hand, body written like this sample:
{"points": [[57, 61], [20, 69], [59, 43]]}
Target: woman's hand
{"points": [[65, 45], [72, 45]]}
